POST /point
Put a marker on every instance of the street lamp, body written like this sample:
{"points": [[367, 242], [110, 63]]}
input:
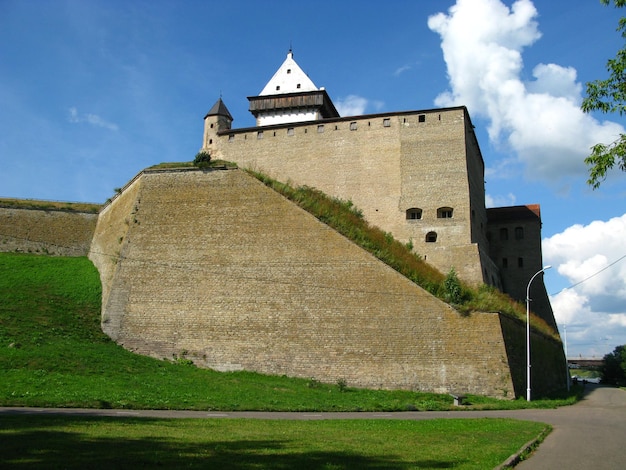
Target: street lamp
{"points": [[528, 330]]}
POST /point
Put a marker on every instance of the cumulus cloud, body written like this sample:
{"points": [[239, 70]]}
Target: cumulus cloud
{"points": [[539, 120], [93, 119], [351, 105], [593, 259]]}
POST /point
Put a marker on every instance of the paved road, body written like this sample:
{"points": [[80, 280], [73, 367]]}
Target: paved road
{"points": [[588, 435]]}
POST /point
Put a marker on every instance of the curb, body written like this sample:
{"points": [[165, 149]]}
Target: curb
{"points": [[516, 458]]}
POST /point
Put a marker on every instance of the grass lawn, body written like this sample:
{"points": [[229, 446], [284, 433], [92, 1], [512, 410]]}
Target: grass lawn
{"points": [[31, 441], [54, 354]]}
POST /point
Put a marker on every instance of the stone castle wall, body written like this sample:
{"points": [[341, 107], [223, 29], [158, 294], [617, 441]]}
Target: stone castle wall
{"points": [[385, 164], [215, 266], [54, 232]]}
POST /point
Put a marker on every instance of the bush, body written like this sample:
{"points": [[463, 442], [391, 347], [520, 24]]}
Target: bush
{"points": [[202, 160]]}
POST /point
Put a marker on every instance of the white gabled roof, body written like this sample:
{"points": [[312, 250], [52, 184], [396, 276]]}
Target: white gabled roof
{"points": [[289, 78]]}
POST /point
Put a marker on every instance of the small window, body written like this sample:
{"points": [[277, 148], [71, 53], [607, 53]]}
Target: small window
{"points": [[288, 70], [298, 86], [504, 234], [353, 126], [211, 126], [290, 131], [444, 213], [277, 87], [431, 237], [387, 122], [231, 137], [210, 141], [421, 118], [259, 135], [320, 128], [520, 262], [519, 233], [413, 214], [505, 263]]}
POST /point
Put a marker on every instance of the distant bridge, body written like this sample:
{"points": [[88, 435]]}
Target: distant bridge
{"points": [[585, 363]]}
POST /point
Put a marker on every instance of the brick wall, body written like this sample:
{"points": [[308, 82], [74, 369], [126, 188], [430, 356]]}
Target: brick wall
{"points": [[217, 266]]}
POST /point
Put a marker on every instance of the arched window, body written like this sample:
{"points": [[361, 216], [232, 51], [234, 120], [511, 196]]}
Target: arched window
{"points": [[431, 237], [519, 233], [413, 213], [444, 213]]}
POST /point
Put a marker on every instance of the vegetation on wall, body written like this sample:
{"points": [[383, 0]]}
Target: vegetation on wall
{"points": [[344, 217], [49, 205]]}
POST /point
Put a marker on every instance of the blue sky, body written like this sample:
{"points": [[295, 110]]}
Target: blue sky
{"points": [[91, 92]]}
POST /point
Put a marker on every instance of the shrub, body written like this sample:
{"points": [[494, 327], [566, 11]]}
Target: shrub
{"points": [[202, 160]]}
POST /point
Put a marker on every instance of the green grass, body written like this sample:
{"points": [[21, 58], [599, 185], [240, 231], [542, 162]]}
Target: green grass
{"points": [[30, 441], [54, 354]]}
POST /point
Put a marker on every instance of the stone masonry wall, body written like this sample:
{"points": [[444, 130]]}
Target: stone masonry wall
{"points": [[54, 232], [384, 164], [216, 266]]}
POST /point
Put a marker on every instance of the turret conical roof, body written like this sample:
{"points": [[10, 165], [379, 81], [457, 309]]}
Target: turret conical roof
{"points": [[219, 109]]}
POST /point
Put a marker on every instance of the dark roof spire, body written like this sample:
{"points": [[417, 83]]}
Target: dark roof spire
{"points": [[219, 109]]}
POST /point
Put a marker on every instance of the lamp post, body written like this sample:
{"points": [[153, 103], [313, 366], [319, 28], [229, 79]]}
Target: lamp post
{"points": [[528, 330]]}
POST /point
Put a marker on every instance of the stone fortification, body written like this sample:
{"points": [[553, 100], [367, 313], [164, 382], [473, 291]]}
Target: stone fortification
{"points": [[386, 165], [46, 231], [221, 269]]}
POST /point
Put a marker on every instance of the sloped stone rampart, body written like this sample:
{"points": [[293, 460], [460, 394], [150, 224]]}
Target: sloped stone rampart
{"points": [[54, 232], [217, 267]]}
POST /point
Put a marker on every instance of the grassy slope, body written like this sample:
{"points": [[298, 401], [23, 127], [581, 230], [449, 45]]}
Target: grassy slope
{"points": [[53, 353]]}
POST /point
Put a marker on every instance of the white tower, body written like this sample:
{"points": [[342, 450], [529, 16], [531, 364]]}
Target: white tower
{"points": [[291, 96]]}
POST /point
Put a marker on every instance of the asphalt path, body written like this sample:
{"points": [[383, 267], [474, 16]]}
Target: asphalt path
{"points": [[590, 434]]}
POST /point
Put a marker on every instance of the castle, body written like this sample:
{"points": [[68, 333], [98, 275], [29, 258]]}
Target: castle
{"points": [[418, 175], [213, 265]]}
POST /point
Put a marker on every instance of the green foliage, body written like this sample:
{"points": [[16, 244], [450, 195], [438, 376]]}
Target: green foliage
{"points": [[202, 160], [608, 96], [614, 369], [452, 287]]}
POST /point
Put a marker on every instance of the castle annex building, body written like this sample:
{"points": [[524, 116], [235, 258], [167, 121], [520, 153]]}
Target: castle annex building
{"points": [[214, 265]]}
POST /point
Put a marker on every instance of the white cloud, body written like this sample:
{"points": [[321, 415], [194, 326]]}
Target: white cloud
{"points": [[593, 259], [540, 120], [401, 70], [92, 119], [351, 105], [500, 201]]}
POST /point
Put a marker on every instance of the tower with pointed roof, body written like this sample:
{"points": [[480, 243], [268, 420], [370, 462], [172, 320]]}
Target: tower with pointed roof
{"points": [[217, 119], [291, 96]]}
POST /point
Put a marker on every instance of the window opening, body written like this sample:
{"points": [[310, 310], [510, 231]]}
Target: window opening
{"points": [[413, 213], [431, 237], [519, 233], [421, 118], [504, 234], [444, 213], [387, 122]]}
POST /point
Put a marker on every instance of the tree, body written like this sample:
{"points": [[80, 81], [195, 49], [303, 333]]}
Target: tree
{"points": [[608, 96], [614, 367]]}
